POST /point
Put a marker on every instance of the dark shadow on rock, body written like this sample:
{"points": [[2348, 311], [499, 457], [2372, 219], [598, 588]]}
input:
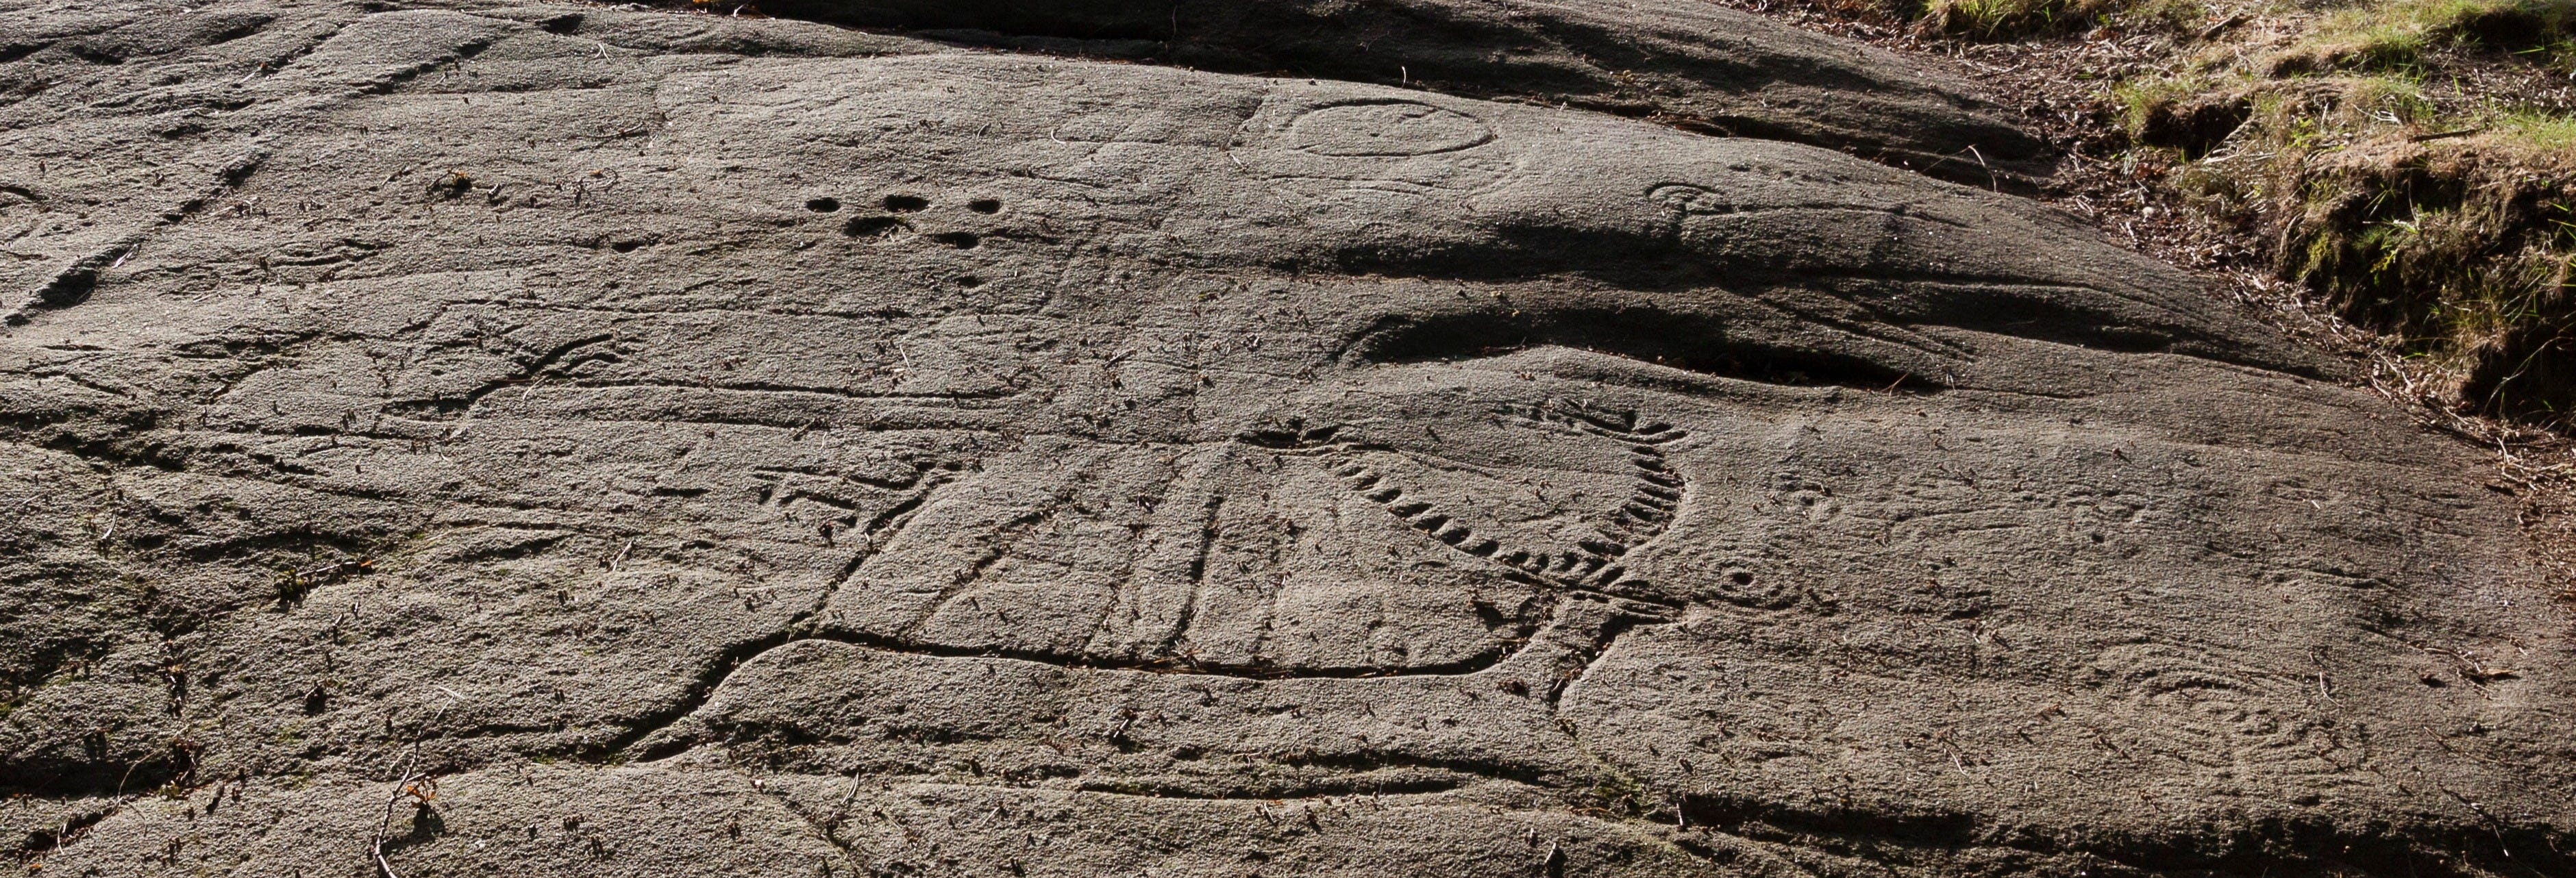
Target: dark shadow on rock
{"points": [[1693, 66]]}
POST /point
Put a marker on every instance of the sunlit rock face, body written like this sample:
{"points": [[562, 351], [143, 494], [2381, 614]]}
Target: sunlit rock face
{"points": [[643, 443]]}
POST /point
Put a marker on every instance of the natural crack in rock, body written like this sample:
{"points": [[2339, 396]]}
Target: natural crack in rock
{"points": [[561, 439]]}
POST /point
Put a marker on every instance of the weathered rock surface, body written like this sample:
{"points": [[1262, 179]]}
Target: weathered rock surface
{"points": [[1687, 63], [521, 439]]}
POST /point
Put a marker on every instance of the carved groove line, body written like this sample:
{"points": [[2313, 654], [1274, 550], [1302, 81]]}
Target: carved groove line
{"points": [[1590, 563]]}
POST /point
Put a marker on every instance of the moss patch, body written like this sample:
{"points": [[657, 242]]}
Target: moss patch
{"points": [[2391, 158]]}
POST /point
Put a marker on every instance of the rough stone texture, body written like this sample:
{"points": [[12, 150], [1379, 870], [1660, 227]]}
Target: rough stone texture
{"points": [[1701, 67], [515, 439]]}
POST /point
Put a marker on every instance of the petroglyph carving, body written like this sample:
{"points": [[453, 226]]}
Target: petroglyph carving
{"points": [[1385, 128], [723, 444]]}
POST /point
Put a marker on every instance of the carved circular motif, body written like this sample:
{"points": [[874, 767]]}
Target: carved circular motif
{"points": [[1386, 128]]}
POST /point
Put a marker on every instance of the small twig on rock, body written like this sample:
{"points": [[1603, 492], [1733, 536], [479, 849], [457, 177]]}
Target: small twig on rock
{"points": [[384, 827]]}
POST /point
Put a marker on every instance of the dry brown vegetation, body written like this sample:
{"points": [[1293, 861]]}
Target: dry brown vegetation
{"points": [[2406, 167], [2395, 179], [2408, 163]]}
